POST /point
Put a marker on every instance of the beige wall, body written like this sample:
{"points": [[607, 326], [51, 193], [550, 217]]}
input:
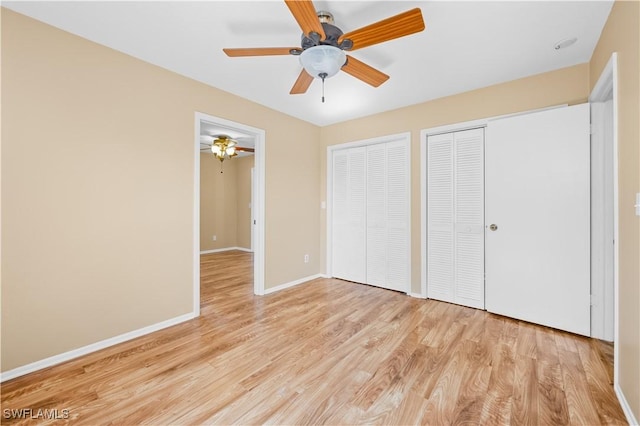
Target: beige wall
{"points": [[218, 203], [569, 85], [622, 34], [97, 188], [224, 202], [243, 210]]}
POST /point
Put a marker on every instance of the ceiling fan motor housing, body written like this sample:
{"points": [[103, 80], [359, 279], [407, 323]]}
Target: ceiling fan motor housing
{"points": [[331, 32]]}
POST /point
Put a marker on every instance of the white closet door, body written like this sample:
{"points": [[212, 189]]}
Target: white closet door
{"points": [[376, 215], [371, 214], [440, 276], [469, 218], [349, 214], [388, 195], [398, 212], [455, 217], [537, 195]]}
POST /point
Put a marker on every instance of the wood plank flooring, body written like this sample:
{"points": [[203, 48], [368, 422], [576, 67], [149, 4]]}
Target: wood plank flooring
{"points": [[329, 352]]}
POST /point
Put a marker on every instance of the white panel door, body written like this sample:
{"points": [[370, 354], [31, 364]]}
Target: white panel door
{"points": [[537, 194], [349, 214], [455, 217]]}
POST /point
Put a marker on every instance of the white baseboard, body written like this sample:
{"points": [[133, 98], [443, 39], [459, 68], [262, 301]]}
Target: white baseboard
{"points": [[292, 283], [243, 249], [226, 249], [625, 405], [417, 295], [75, 353]]}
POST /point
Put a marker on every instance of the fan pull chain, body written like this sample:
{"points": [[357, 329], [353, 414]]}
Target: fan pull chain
{"points": [[323, 76]]}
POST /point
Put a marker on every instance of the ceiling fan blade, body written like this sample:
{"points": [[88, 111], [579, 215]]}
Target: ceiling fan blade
{"points": [[302, 83], [306, 15], [259, 51], [401, 25], [240, 148], [364, 72]]}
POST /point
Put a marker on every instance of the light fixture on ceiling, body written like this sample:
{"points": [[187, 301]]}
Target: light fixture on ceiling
{"points": [[562, 44], [322, 61], [223, 147]]}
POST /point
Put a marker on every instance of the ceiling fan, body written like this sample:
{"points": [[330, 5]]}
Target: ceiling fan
{"points": [[323, 44], [223, 146]]}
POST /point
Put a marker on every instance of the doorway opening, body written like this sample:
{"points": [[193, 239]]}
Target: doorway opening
{"points": [[604, 208], [204, 125]]}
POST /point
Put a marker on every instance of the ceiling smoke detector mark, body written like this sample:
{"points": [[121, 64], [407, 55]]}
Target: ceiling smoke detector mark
{"points": [[563, 44]]}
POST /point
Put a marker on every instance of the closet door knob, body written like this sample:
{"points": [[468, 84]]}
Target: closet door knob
{"points": [[493, 227]]}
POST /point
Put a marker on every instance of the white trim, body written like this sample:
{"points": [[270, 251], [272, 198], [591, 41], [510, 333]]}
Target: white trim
{"points": [[253, 202], [225, 249], [608, 83], [196, 222], [405, 136], [75, 353], [258, 207], [417, 295], [248, 250], [624, 404], [293, 283]]}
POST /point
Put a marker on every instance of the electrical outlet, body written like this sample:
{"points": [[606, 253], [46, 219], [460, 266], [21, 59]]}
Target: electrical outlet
{"points": [[306, 258], [215, 237]]}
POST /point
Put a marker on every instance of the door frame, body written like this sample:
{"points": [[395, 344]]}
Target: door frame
{"points": [[406, 136], [606, 86], [258, 208], [253, 203]]}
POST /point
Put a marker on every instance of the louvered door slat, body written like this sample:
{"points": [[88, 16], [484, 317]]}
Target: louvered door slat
{"points": [[376, 215], [455, 217], [397, 211], [469, 217], [440, 243], [339, 234]]}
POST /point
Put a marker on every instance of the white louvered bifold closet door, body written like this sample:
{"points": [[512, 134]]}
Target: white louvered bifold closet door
{"points": [[371, 214], [455, 217], [349, 214], [388, 218], [376, 215]]}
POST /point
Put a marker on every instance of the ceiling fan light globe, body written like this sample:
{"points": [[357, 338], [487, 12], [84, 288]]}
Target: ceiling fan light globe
{"points": [[215, 149], [231, 151], [322, 59]]}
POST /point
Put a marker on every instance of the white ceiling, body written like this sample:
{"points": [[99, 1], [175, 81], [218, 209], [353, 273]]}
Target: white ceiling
{"points": [[466, 45]]}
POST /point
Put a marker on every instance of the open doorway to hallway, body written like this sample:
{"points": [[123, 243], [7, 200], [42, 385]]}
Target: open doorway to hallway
{"points": [[229, 196]]}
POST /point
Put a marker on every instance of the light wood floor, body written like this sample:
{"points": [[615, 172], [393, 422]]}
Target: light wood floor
{"points": [[330, 352]]}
